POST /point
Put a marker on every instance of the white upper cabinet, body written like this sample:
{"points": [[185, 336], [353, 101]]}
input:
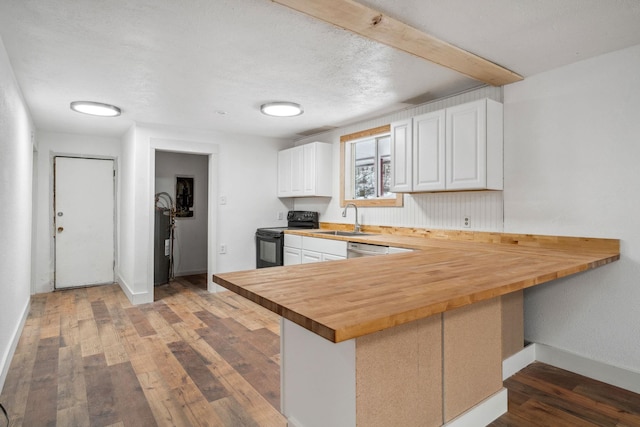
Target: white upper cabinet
{"points": [[474, 146], [429, 152], [401, 143], [459, 148], [305, 171], [284, 172]]}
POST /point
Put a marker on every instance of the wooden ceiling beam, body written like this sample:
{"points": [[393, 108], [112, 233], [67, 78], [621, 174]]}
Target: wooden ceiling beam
{"points": [[373, 24]]}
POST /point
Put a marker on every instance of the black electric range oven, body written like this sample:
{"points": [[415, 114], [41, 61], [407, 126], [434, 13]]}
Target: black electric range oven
{"points": [[270, 241]]}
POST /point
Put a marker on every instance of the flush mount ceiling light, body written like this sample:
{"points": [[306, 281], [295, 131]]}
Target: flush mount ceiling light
{"points": [[281, 109], [95, 108]]}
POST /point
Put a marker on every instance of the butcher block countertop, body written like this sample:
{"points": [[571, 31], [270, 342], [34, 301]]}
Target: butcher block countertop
{"points": [[341, 300]]}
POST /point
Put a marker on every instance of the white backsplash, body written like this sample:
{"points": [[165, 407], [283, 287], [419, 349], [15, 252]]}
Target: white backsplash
{"points": [[444, 210]]}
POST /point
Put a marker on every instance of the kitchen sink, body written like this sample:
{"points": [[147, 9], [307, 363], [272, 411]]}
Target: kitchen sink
{"points": [[343, 233]]}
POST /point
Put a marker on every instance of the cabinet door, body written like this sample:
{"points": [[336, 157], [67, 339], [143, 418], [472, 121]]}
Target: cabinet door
{"points": [[429, 152], [292, 256], [330, 257], [284, 173], [309, 169], [309, 256], [401, 176], [466, 147], [297, 171]]}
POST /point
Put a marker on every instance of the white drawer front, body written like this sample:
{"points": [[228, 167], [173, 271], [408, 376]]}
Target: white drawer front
{"points": [[325, 246]]}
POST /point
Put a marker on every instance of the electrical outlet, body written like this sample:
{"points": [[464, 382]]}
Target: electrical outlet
{"points": [[280, 215], [223, 249], [223, 200], [467, 222]]}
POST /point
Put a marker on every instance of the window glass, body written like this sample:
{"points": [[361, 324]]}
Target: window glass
{"points": [[372, 168], [364, 169], [384, 162]]}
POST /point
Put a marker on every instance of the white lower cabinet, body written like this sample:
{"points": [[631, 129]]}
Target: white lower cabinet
{"points": [[305, 250], [292, 256], [330, 257], [311, 256]]}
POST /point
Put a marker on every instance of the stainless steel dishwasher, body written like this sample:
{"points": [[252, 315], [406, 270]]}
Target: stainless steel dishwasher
{"points": [[358, 250]]}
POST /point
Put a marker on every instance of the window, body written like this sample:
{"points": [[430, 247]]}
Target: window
{"points": [[366, 169], [371, 163]]}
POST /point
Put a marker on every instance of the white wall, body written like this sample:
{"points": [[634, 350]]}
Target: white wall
{"points": [[425, 210], [572, 167], [51, 144], [190, 243], [245, 171], [16, 151], [126, 219]]}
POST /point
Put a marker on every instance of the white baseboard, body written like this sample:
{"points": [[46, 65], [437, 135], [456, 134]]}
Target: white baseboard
{"points": [[483, 413], [292, 422], [518, 361], [619, 377], [613, 375], [215, 288], [15, 338], [135, 298]]}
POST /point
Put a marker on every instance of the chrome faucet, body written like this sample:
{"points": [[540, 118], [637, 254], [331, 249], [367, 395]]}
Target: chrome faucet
{"points": [[356, 225]]}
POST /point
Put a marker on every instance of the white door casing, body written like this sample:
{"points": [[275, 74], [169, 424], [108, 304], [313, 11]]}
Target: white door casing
{"points": [[84, 205]]}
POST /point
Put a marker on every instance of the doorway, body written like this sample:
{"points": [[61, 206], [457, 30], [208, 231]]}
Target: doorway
{"points": [[185, 178], [84, 221]]}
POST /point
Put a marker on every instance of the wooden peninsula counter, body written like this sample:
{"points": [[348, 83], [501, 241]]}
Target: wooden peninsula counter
{"points": [[411, 339]]}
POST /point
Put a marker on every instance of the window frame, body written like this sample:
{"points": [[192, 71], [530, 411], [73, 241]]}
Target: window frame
{"points": [[345, 140]]}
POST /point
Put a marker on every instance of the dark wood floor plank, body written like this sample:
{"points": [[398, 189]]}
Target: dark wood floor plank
{"points": [[261, 339], [254, 403], [130, 401], [545, 395], [41, 408], [511, 419], [232, 414], [259, 370], [580, 402], [519, 389], [546, 415], [164, 329], [165, 408], [89, 337], [197, 369], [72, 404], [100, 311], [101, 399], [140, 322], [165, 311]]}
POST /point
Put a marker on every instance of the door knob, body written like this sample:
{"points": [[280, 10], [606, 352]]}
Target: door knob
{"points": [[60, 229]]}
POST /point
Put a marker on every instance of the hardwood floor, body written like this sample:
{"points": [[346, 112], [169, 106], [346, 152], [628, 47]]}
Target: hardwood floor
{"points": [[543, 395], [87, 357]]}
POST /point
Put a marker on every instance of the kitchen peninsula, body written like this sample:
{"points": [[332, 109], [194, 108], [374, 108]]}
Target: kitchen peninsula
{"points": [[407, 339]]}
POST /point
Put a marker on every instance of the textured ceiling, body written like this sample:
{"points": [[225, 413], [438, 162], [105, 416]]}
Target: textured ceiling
{"points": [[179, 62]]}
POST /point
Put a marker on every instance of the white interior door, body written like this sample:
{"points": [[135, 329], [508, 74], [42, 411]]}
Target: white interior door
{"points": [[84, 222]]}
